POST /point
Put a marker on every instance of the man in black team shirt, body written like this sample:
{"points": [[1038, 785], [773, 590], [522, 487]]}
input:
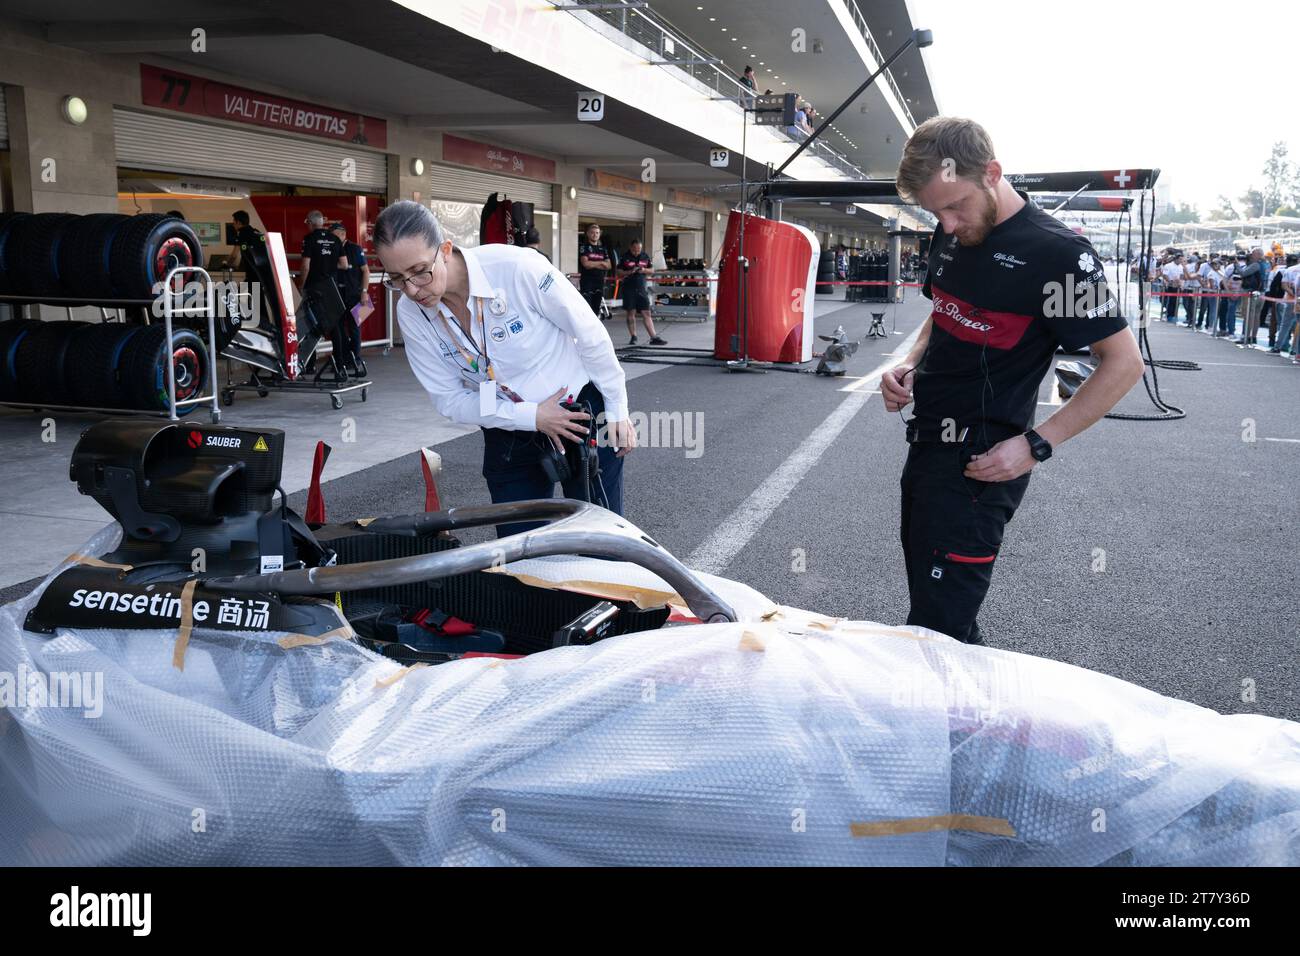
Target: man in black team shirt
{"points": [[593, 264], [632, 270], [354, 285], [322, 259], [247, 242], [322, 252], [1009, 284]]}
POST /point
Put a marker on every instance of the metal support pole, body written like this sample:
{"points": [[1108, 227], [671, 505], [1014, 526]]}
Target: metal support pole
{"points": [[895, 258]]}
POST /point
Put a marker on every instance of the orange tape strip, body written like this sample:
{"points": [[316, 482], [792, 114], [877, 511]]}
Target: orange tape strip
{"points": [[951, 821], [187, 625], [643, 598], [95, 562], [392, 679], [307, 640]]}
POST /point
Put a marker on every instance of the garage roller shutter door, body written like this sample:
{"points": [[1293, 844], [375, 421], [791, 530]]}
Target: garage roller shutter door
{"points": [[474, 185], [146, 141], [4, 121], [613, 207], [683, 218]]}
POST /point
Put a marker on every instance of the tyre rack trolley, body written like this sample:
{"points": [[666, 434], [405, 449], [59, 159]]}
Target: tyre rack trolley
{"points": [[206, 310]]}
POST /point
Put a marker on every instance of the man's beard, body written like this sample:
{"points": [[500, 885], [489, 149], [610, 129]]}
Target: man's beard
{"points": [[988, 218]]}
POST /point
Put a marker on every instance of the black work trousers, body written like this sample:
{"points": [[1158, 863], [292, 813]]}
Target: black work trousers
{"points": [[594, 297], [951, 532]]}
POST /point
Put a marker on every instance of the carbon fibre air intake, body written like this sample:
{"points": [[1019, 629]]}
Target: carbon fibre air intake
{"points": [[575, 527]]}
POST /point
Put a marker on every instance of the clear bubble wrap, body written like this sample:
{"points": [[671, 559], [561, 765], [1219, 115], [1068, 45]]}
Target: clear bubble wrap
{"points": [[791, 740]]}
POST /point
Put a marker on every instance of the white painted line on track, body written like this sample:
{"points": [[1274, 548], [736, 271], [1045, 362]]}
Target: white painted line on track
{"points": [[736, 530], [1289, 440]]}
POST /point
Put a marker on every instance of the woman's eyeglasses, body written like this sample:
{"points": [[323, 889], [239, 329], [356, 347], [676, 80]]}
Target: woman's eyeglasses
{"points": [[417, 279]]}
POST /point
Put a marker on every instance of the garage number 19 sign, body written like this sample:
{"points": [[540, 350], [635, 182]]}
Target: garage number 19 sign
{"points": [[591, 106], [719, 157]]}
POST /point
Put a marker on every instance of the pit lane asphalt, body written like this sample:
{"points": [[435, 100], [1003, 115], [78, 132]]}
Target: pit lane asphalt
{"points": [[1201, 587]]}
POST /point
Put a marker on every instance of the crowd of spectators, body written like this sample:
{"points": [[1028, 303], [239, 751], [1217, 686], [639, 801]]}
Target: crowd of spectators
{"points": [[1232, 296]]}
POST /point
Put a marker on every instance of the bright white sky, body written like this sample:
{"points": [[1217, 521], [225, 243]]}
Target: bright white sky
{"points": [[1054, 84]]}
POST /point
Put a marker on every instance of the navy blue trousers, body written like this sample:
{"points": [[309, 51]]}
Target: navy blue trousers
{"points": [[512, 468]]}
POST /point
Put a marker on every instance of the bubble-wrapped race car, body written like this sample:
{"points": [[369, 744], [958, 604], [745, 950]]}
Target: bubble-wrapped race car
{"points": [[212, 681]]}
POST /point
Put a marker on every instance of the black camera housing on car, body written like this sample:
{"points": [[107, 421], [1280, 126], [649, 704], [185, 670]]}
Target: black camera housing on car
{"points": [[188, 492]]}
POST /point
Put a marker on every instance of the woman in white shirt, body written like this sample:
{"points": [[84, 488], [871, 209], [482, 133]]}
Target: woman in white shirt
{"points": [[499, 338]]}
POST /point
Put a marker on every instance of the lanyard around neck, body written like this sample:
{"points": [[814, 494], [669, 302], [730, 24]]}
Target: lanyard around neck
{"points": [[471, 360]]}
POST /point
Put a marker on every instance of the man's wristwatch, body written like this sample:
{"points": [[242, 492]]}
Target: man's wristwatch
{"points": [[1039, 446]]}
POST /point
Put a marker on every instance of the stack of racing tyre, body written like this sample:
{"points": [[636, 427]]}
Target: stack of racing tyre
{"points": [[107, 260]]}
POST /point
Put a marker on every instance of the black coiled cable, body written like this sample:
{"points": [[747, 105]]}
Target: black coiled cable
{"points": [[1168, 412]]}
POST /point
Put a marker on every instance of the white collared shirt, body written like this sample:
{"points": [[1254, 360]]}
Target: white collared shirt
{"points": [[541, 336]]}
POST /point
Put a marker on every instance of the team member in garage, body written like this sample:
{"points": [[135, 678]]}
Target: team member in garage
{"points": [[1009, 283], [322, 259], [632, 270], [245, 236], [354, 285], [593, 265], [322, 252], [499, 338]]}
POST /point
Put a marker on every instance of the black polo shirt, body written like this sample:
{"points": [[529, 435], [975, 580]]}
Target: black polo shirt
{"points": [[591, 280], [249, 241], [322, 248], [634, 284], [1000, 310]]}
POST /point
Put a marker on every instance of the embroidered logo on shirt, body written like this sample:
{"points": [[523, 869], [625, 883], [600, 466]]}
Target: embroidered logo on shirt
{"points": [[498, 334], [545, 284], [516, 327]]}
